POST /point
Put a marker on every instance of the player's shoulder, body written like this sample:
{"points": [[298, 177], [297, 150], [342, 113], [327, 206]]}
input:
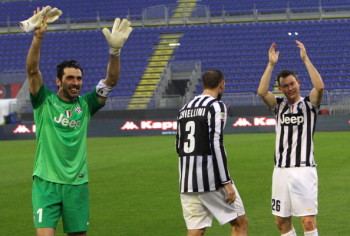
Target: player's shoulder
{"points": [[307, 99], [216, 105], [280, 100], [44, 90], [45, 93]]}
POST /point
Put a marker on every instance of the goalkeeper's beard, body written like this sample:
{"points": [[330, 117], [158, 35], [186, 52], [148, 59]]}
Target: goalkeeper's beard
{"points": [[71, 92]]}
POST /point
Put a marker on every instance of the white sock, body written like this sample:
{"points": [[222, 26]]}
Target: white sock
{"points": [[311, 233], [290, 233]]}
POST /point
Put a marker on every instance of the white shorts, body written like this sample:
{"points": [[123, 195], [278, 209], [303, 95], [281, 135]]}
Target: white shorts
{"points": [[199, 208], [294, 191]]}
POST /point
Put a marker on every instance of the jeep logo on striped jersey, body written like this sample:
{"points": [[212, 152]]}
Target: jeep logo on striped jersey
{"points": [[292, 119]]}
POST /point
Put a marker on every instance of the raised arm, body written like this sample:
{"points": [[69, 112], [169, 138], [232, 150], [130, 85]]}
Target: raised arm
{"points": [[268, 98], [316, 93], [116, 39], [33, 58]]}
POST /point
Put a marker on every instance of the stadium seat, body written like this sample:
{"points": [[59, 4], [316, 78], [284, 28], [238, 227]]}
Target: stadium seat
{"points": [[239, 50]]}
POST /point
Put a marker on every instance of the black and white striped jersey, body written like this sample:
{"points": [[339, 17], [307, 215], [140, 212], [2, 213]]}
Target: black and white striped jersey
{"points": [[295, 126], [200, 145]]}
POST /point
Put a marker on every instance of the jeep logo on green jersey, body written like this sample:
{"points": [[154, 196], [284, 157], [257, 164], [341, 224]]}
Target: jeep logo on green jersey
{"points": [[66, 122]]}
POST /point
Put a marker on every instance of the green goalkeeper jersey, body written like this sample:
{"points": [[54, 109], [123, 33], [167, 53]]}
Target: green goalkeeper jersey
{"points": [[61, 130]]}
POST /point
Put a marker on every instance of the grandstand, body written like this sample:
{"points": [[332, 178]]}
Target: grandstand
{"points": [[231, 35]]}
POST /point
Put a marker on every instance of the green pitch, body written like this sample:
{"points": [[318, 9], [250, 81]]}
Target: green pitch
{"points": [[134, 188]]}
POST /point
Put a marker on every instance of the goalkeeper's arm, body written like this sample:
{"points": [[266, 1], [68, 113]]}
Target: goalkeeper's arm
{"points": [[116, 39], [33, 59], [38, 24]]}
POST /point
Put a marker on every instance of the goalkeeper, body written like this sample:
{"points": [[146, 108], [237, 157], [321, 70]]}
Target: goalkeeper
{"points": [[60, 177]]}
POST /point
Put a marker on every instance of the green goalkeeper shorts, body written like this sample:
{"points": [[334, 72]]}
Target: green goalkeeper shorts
{"points": [[52, 200]]}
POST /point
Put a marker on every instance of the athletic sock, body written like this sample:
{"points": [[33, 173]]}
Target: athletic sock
{"points": [[290, 233], [311, 233]]}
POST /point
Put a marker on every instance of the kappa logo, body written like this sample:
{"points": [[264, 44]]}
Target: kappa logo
{"points": [[150, 125], [129, 125], [242, 122], [21, 129], [257, 121]]}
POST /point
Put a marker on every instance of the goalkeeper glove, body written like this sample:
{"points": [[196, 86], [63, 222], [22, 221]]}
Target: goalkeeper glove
{"points": [[36, 20], [120, 33], [53, 15]]}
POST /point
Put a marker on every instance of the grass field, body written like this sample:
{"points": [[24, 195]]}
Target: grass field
{"points": [[134, 185]]}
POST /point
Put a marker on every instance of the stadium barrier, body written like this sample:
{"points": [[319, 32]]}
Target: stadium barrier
{"points": [[254, 119], [161, 15]]}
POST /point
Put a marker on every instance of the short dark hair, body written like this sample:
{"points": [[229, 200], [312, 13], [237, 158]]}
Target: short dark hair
{"points": [[67, 64], [212, 78], [284, 74]]}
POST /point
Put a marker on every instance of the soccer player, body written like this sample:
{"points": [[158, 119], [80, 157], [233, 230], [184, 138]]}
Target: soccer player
{"points": [[60, 177], [206, 188], [295, 181]]}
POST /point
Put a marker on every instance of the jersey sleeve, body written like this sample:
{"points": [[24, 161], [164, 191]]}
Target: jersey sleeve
{"points": [[217, 121], [274, 110], [92, 101], [177, 137], [316, 108], [40, 97]]}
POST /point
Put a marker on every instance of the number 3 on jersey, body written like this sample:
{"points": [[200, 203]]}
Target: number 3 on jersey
{"points": [[190, 142]]}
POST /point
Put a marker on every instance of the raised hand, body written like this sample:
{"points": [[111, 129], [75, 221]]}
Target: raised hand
{"points": [[118, 36], [36, 20], [53, 15], [273, 55], [303, 54], [41, 29]]}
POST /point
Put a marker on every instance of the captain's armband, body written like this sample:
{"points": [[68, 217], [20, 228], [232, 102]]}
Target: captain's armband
{"points": [[102, 89]]}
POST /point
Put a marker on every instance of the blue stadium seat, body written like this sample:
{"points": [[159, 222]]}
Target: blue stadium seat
{"points": [[15, 11], [239, 50]]}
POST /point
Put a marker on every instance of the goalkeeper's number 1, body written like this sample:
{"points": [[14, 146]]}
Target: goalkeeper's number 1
{"points": [[40, 214]]}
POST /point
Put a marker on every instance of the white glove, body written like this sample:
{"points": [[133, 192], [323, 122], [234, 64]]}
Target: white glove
{"points": [[53, 15], [36, 20], [120, 33]]}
